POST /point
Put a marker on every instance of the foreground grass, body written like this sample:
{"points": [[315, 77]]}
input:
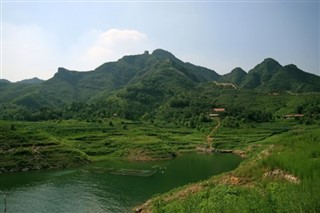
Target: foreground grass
{"points": [[280, 175]]}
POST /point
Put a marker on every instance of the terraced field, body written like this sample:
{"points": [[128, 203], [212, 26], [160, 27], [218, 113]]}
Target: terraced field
{"points": [[25, 148], [51, 144], [230, 138]]}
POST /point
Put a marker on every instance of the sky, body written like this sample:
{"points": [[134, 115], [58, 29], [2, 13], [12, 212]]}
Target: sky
{"points": [[37, 37]]}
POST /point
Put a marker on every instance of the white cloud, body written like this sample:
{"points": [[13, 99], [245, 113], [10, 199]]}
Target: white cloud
{"points": [[30, 51], [106, 46]]}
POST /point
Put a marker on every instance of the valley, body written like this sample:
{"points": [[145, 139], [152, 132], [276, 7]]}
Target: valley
{"points": [[156, 109]]}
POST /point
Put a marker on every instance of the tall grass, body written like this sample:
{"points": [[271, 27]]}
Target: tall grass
{"points": [[296, 152]]}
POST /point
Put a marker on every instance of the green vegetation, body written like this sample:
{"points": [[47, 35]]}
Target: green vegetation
{"points": [[52, 144], [280, 175], [240, 138], [25, 147], [154, 106], [146, 84], [236, 76]]}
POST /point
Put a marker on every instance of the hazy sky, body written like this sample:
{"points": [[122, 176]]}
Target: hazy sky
{"points": [[37, 37]]}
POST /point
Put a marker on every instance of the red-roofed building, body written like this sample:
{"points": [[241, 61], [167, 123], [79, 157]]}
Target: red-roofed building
{"points": [[219, 109]]}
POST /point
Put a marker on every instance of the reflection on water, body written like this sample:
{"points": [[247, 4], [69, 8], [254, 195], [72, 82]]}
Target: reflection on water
{"points": [[108, 186]]}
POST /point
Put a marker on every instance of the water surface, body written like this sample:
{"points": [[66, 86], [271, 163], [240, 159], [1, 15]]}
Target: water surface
{"points": [[93, 188]]}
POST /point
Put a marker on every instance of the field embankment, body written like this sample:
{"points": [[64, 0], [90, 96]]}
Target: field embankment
{"points": [[280, 174], [28, 146]]}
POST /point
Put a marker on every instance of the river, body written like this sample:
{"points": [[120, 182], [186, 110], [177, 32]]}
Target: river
{"points": [[96, 187]]}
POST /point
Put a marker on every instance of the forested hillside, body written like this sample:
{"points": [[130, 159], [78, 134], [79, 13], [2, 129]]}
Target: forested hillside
{"points": [[160, 86]]}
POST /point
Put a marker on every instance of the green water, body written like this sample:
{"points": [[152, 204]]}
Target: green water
{"points": [[94, 189]]}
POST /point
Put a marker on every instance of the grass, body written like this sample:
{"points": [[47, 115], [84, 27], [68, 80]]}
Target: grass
{"points": [[52, 144], [230, 138], [294, 150], [300, 155], [29, 148]]}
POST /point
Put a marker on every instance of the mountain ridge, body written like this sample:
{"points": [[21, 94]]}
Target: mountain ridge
{"points": [[159, 53], [150, 79]]}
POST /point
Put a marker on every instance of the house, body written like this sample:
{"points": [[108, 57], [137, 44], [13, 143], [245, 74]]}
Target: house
{"points": [[219, 109], [215, 112]]}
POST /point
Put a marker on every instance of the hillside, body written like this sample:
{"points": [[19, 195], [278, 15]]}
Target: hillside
{"points": [[291, 78], [236, 76], [34, 80], [269, 75], [67, 86], [4, 81], [146, 85]]}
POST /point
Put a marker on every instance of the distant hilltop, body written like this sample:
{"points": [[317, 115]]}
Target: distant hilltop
{"points": [[34, 80], [151, 79]]}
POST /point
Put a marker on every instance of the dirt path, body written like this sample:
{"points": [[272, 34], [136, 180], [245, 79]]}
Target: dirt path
{"points": [[211, 134]]}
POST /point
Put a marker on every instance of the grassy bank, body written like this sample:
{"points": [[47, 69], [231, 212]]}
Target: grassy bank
{"points": [[54, 144], [280, 175], [26, 146]]}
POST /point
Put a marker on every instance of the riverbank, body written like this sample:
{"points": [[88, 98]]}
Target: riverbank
{"points": [[279, 175], [27, 146]]}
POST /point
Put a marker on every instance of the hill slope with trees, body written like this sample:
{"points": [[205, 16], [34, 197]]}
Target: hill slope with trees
{"points": [[152, 85]]}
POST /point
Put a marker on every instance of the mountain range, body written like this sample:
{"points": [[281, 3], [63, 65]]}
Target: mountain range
{"points": [[150, 79]]}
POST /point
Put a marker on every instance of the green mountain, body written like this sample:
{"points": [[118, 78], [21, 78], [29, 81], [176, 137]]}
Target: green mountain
{"points": [[291, 78], [160, 67], [163, 77], [236, 76], [261, 74], [12, 92], [271, 76], [147, 84], [160, 72], [19, 90], [4, 81], [34, 80]]}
